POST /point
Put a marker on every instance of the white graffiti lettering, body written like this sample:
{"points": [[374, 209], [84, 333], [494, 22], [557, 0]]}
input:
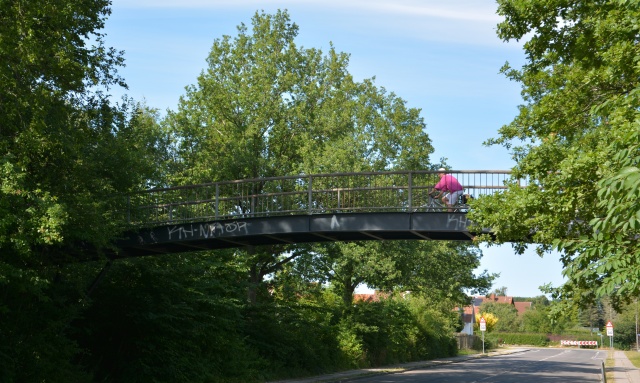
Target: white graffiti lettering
{"points": [[459, 221], [210, 230], [235, 226], [175, 229], [334, 222], [187, 232]]}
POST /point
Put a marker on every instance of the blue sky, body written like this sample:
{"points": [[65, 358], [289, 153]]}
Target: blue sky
{"points": [[441, 57]]}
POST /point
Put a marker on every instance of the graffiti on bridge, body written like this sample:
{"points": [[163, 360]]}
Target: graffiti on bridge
{"points": [[207, 230], [196, 231], [457, 221]]}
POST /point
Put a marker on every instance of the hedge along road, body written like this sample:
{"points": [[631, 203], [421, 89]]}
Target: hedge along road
{"points": [[531, 366]]}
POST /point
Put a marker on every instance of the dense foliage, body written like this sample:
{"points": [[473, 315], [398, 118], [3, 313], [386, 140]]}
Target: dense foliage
{"points": [[264, 107], [507, 338], [185, 319], [279, 109], [267, 107], [65, 152], [576, 143], [507, 316]]}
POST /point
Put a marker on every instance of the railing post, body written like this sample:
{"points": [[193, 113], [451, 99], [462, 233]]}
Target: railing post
{"points": [[410, 191], [310, 195], [217, 199]]}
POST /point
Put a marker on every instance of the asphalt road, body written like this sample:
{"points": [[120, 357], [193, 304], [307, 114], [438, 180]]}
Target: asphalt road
{"points": [[531, 366]]}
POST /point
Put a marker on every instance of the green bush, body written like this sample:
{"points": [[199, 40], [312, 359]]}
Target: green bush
{"points": [[488, 343], [394, 331], [499, 338], [161, 320]]}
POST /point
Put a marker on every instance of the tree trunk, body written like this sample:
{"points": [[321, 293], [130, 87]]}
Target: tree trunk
{"points": [[255, 279]]}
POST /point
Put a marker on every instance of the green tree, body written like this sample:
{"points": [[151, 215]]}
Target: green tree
{"points": [[536, 320], [508, 320], [500, 291], [66, 152], [625, 326], [575, 142], [439, 268], [540, 317], [186, 310], [347, 265], [540, 300], [400, 328], [592, 316], [266, 107], [426, 268]]}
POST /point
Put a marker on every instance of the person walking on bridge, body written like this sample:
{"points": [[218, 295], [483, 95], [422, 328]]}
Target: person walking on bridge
{"points": [[448, 188]]}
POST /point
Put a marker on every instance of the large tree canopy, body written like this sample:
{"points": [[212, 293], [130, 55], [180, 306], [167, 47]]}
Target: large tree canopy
{"points": [[64, 149], [65, 152], [267, 107], [442, 269], [69, 156], [575, 141]]}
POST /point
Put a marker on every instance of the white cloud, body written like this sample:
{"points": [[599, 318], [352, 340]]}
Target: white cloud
{"points": [[468, 22], [469, 10], [452, 10]]}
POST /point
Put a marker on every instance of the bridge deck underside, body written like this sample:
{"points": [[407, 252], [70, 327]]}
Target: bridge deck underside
{"points": [[242, 232]]}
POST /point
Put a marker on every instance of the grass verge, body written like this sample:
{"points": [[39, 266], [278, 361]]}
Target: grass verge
{"points": [[608, 366], [634, 357]]}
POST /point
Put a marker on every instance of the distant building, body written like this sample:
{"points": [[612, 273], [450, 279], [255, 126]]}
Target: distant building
{"points": [[366, 297], [522, 307], [468, 319], [377, 296], [477, 301]]}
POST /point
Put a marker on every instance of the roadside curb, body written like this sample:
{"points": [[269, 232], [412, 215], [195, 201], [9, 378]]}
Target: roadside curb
{"points": [[350, 375]]}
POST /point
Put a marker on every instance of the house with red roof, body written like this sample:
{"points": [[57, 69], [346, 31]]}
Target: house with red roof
{"points": [[522, 307], [366, 297], [468, 313]]}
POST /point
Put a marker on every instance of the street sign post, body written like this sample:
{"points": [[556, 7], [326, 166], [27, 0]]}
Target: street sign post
{"points": [[610, 333]]}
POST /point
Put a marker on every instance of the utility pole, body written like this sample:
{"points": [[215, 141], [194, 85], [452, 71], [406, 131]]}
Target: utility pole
{"points": [[637, 347], [483, 328]]}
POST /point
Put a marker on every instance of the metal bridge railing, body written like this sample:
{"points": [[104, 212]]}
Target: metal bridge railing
{"points": [[302, 194]]}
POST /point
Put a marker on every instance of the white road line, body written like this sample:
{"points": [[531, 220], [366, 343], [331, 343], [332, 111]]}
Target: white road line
{"points": [[553, 356]]}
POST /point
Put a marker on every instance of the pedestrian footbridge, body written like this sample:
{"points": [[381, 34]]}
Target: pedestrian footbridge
{"points": [[300, 209]]}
